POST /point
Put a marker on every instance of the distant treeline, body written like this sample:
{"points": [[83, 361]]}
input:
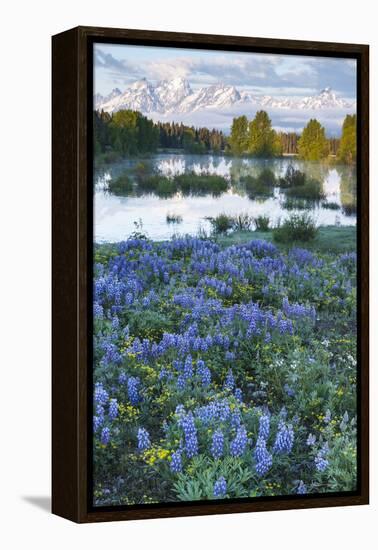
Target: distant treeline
{"points": [[289, 143], [130, 133], [196, 140], [127, 133]]}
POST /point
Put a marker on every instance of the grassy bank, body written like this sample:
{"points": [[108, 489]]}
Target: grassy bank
{"points": [[329, 239]]}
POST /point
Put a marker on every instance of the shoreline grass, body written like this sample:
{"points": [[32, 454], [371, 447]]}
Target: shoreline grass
{"points": [[329, 239]]}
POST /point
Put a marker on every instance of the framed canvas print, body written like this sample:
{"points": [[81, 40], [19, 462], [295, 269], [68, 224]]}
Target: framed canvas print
{"points": [[210, 274]]}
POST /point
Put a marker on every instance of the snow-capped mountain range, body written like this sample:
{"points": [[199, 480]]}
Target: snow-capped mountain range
{"points": [[177, 96]]}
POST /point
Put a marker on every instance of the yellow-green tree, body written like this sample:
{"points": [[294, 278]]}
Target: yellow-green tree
{"points": [[313, 144], [348, 142], [263, 141], [238, 140]]}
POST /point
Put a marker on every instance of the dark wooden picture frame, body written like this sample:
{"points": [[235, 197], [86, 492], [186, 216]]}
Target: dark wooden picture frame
{"points": [[72, 215]]}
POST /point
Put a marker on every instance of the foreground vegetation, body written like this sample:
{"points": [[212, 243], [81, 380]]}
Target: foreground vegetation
{"points": [[224, 370]]}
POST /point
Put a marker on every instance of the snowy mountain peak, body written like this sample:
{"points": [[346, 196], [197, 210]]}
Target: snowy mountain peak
{"points": [[326, 99], [172, 92], [177, 96], [178, 83], [140, 84], [100, 99], [217, 96]]}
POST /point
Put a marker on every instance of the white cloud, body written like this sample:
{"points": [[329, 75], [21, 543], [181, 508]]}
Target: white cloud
{"points": [[294, 74]]}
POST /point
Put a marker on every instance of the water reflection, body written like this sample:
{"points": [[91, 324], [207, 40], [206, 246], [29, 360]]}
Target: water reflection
{"points": [[115, 215]]}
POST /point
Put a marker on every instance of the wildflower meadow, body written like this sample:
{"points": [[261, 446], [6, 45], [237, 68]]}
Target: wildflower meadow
{"points": [[222, 371]]}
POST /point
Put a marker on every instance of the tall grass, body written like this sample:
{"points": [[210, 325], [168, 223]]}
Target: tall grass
{"points": [[262, 223], [221, 223], [242, 222]]}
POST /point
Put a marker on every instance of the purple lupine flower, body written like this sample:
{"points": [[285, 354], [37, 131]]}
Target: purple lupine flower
{"points": [[284, 439], [264, 426], [321, 462], [143, 439], [113, 409], [220, 488], [238, 394], [105, 435], [101, 396], [217, 444], [229, 383], [176, 462], [133, 384], [263, 459], [186, 422], [239, 443], [301, 489]]}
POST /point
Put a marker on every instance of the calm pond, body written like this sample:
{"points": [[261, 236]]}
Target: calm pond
{"points": [[115, 216]]}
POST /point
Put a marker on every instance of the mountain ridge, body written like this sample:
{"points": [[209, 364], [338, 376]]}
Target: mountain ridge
{"points": [[177, 96]]}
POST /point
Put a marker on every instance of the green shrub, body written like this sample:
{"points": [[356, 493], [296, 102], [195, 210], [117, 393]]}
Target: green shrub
{"points": [[149, 324], [298, 227], [292, 178], [221, 223], [149, 183], [201, 183], [158, 184], [257, 187], [262, 223], [166, 187], [312, 190], [267, 177], [142, 170], [121, 185]]}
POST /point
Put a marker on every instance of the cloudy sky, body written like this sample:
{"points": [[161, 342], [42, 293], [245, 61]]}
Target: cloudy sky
{"points": [[276, 75]]}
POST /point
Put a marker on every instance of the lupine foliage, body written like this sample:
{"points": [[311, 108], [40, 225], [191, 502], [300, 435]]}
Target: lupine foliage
{"points": [[222, 372]]}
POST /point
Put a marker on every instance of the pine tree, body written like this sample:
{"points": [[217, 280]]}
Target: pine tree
{"points": [[313, 144]]}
